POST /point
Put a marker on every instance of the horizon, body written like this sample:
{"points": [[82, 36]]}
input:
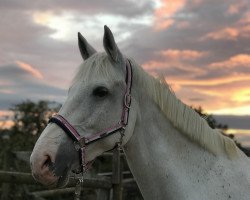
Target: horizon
{"points": [[200, 47]]}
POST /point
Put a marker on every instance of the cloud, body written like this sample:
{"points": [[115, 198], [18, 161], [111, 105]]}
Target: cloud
{"points": [[225, 34], [174, 61], [237, 61], [20, 70], [237, 7], [126, 8], [175, 54], [229, 33], [20, 83], [210, 82], [165, 13], [28, 68], [240, 28], [225, 82], [47, 31], [202, 48]]}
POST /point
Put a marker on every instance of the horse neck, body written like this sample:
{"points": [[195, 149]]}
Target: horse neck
{"points": [[150, 151], [165, 164]]}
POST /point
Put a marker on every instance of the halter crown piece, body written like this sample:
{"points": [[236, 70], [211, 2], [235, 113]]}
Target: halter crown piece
{"points": [[80, 141]]}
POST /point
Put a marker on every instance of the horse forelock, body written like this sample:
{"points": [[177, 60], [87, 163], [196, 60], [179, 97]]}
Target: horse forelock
{"points": [[98, 66]]}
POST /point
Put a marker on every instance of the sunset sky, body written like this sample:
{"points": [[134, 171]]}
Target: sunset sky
{"points": [[202, 47]]}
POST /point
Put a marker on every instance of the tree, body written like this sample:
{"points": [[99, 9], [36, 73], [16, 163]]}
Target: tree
{"points": [[210, 120], [29, 119], [214, 124]]}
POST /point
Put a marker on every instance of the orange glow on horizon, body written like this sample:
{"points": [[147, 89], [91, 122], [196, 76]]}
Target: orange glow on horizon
{"points": [[242, 95], [6, 124], [239, 110], [238, 131], [231, 92]]}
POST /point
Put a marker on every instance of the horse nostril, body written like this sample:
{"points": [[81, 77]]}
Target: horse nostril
{"points": [[48, 163]]}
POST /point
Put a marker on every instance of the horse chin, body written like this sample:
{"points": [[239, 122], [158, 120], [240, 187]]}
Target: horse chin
{"points": [[62, 181]]}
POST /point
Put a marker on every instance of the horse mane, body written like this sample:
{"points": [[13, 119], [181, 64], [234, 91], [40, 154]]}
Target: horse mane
{"points": [[182, 117]]}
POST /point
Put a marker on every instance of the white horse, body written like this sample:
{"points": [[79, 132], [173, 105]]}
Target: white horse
{"points": [[171, 151]]}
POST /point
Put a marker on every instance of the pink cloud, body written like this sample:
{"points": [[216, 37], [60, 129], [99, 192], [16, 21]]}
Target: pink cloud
{"points": [[175, 54], [164, 14], [228, 91], [175, 58], [236, 7], [241, 60], [183, 25], [163, 23], [245, 19], [31, 70], [241, 29], [228, 33], [154, 64]]}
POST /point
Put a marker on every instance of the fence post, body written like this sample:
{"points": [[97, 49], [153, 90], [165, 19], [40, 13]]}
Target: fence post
{"points": [[6, 166], [117, 175], [102, 194]]}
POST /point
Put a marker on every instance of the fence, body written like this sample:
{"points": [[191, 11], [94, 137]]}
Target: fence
{"points": [[107, 185]]}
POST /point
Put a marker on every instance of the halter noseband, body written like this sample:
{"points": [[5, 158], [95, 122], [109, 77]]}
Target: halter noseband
{"points": [[80, 141]]}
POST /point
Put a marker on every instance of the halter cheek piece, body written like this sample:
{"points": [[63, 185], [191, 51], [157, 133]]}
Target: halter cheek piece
{"points": [[82, 142]]}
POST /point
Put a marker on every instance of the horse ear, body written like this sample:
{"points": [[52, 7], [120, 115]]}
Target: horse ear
{"points": [[85, 48], [110, 46]]}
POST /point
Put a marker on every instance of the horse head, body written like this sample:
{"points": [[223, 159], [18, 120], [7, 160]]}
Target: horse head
{"points": [[93, 109]]}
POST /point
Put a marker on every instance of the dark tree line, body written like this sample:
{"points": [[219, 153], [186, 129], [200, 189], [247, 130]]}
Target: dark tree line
{"points": [[30, 118], [223, 128], [211, 120]]}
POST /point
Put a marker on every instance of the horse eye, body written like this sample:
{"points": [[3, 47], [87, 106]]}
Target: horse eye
{"points": [[100, 91]]}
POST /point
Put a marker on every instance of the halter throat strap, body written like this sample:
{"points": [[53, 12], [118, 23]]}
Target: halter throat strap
{"points": [[80, 141]]}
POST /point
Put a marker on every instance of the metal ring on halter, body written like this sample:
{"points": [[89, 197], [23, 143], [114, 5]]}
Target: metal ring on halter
{"points": [[127, 100]]}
